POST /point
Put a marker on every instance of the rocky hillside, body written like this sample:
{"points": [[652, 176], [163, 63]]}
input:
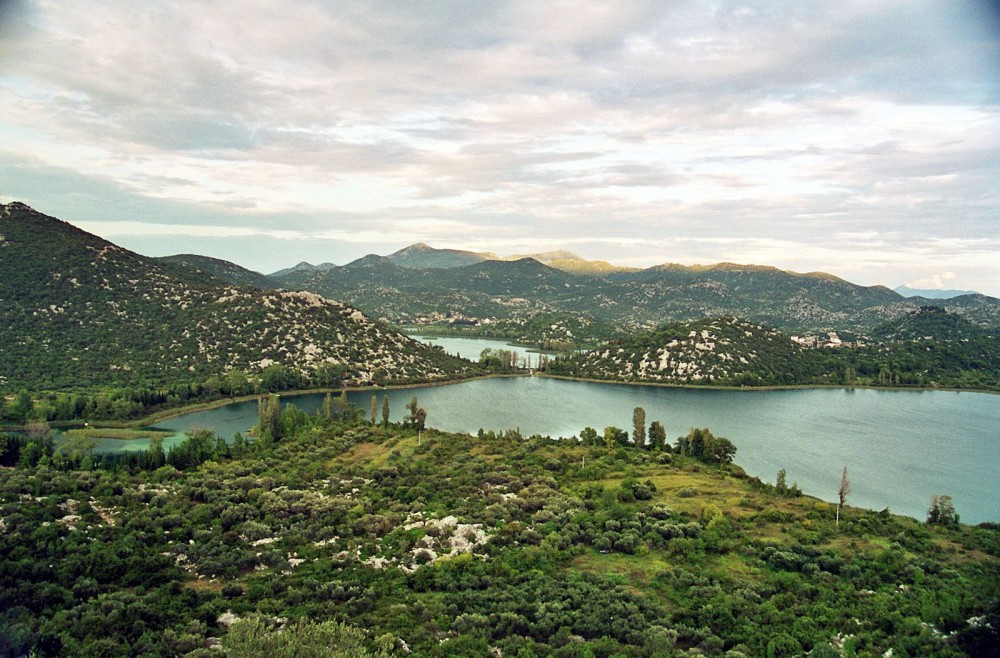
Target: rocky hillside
{"points": [[723, 350], [80, 311], [928, 349]]}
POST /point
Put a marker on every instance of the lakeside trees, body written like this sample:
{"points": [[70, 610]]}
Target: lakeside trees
{"points": [[942, 511]]}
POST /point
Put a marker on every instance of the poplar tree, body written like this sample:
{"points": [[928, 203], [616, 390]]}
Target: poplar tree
{"points": [[639, 426], [374, 407], [385, 410], [269, 418]]}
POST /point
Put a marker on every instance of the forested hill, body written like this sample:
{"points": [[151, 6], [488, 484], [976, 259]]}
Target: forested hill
{"points": [[928, 348], [80, 311]]}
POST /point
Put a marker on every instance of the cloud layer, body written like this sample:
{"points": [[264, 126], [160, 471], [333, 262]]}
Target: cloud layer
{"points": [[858, 138]]}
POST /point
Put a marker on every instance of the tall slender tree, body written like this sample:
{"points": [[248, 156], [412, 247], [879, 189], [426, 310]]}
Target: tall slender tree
{"points": [[842, 492], [639, 427], [385, 410], [374, 407], [269, 414]]}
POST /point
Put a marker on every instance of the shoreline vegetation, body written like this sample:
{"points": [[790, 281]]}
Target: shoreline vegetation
{"points": [[118, 433]]}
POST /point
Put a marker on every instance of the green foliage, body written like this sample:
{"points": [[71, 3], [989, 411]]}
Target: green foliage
{"points": [[701, 444], [942, 511], [458, 545], [418, 415], [255, 637], [658, 437], [269, 426]]}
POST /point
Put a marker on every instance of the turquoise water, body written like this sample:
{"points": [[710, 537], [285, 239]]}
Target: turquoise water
{"points": [[899, 446]]}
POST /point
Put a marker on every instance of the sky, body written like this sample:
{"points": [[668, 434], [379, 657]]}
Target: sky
{"points": [[860, 138]]}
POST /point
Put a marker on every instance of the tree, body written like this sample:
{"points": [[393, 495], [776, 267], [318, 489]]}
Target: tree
{"points": [[942, 511], [157, 457], [269, 418], [374, 406], [328, 406], [657, 436], [845, 488], [781, 484], [255, 637], [22, 407], [614, 436], [81, 444], [385, 410], [418, 415], [639, 426], [330, 375], [589, 437]]}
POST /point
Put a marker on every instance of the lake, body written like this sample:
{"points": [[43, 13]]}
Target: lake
{"points": [[471, 348], [899, 446]]}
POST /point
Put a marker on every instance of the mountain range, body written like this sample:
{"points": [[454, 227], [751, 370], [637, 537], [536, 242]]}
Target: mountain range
{"points": [[80, 311], [932, 293], [493, 290]]}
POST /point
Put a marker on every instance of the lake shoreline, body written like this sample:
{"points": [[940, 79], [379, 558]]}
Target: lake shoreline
{"points": [[166, 414]]}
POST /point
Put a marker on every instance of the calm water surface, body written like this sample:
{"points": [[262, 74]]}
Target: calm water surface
{"points": [[471, 348], [899, 446]]}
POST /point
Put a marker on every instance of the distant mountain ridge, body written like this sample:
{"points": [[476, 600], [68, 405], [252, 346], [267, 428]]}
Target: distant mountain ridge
{"points": [[518, 289], [80, 311], [930, 293], [423, 256], [302, 267]]}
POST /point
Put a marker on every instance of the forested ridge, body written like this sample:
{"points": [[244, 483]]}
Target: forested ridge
{"points": [[344, 535]]}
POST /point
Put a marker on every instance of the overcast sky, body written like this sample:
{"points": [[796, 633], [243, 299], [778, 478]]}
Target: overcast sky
{"points": [[860, 138]]}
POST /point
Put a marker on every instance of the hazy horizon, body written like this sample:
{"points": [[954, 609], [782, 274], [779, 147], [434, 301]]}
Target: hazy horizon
{"points": [[859, 139]]}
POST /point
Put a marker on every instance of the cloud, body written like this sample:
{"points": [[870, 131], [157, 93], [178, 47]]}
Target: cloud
{"points": [[935, 281], [631, 126]]}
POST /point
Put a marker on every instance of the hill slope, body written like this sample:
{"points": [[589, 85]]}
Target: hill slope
{"points": [[928, 348], [80, 311], [723, 350], [222, 271]]}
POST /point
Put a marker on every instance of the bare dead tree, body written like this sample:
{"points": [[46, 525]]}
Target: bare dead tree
{"points": [[845, 488]]}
